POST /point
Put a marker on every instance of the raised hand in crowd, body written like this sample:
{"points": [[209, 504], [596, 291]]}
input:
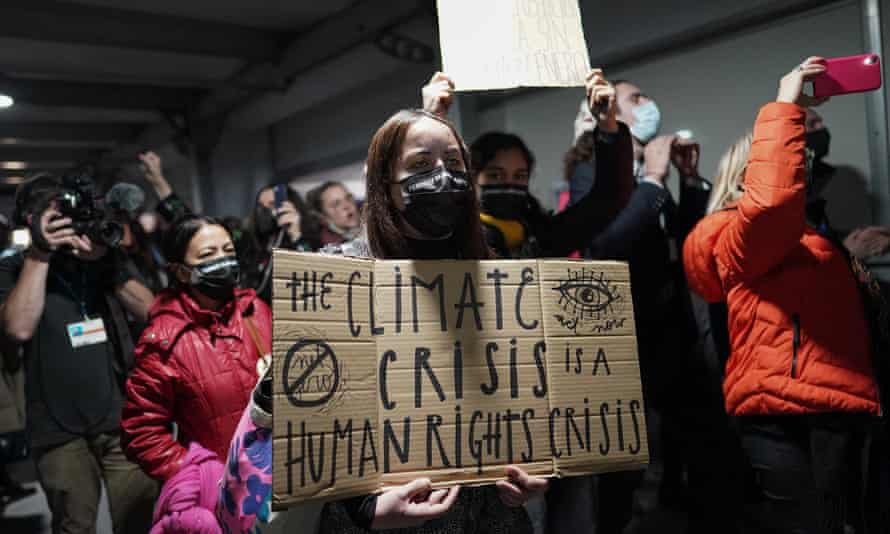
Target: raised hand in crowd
{"points": [[171, 208], [684, 156], [658, 153], [791, 85], [868, 242], [154, 174], [438, 94], [601, 100], [288, 217], [412, 504]]}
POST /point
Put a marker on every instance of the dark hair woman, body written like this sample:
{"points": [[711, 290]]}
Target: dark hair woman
{"points": [[290, 226], [337, 210], [421, 204], [196, 362]]}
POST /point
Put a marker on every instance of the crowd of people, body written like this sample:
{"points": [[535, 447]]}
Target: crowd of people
{"points": [[763, 340]]}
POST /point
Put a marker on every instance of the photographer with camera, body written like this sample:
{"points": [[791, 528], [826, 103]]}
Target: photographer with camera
{"points": [[64, 302]]}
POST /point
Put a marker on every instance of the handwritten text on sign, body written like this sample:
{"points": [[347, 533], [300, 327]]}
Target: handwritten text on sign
{"points": [[386, 370], [501, 44]]}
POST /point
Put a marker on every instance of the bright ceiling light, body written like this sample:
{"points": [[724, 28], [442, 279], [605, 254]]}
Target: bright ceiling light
{"points": [[13, 165], [6, 101]]}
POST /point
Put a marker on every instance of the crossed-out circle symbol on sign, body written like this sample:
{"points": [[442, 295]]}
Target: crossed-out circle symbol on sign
{"points": [[294, 388]]}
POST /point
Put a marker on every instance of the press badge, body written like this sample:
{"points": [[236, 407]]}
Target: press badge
{"points": [[86, 333]]}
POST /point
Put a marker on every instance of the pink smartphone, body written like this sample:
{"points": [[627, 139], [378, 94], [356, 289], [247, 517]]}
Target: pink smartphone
{"points": [[852, 74]]}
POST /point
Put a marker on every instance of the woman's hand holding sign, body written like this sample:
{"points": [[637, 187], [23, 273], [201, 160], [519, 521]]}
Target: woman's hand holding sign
{"points": [[438, 94], [519, 487], [601, 99], [415, 503], [412, 504]]}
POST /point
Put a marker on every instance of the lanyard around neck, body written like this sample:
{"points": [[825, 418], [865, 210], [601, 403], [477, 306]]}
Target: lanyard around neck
{"points": [[81, 299]]}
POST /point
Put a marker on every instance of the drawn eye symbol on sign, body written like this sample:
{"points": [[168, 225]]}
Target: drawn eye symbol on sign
{"points": [[585, 295]]}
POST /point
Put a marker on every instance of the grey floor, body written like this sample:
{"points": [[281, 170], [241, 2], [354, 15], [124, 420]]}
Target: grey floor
{"points": [[31, 515]]}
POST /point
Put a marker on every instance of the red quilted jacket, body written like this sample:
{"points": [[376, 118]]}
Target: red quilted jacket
{"points": [[196, 368], [796, 322]]}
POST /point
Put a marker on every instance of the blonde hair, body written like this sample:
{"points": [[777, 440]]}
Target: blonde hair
{"points": [[730, 174]]}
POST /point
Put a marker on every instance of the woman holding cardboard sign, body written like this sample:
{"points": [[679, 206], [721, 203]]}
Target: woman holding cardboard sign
{"points": [[421, 205]]}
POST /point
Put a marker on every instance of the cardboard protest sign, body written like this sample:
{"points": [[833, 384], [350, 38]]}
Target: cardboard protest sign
{"points": [[502, 44], [389, 370]]}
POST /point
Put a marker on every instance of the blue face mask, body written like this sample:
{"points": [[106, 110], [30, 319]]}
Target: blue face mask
{"points": [[647, 121]]}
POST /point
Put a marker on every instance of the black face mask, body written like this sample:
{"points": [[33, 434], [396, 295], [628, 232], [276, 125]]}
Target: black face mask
{"points": [[435, 201], [818, 141], [216, 278], [508, 202], [264, 221]]}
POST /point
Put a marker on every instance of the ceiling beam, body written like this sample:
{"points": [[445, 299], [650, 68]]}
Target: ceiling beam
{"points": [[97, 95], [32, 154], [65, 131], [6, 173], [331, 38], [30, 167], [327, 40], [23, 112], [46, 20]]}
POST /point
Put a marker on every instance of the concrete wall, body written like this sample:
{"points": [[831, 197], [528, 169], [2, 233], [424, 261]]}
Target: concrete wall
{"points": [[241, 164]]}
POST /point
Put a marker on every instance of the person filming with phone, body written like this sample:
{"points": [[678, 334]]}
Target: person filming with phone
{"points": [[280, 219], [65, 302], [800, 379]]}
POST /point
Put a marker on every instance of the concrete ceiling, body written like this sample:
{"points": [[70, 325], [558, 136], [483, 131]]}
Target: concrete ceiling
{"points": [[95, 80], [294, 15]]}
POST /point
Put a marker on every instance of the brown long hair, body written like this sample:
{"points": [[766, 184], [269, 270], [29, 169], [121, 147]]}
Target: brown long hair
{"points": [[385, 238]]}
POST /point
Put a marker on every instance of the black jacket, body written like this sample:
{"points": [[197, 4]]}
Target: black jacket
{"points": [[648, 233], [553, 235]]}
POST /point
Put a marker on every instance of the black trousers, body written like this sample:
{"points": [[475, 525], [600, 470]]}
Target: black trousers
{"points": [[812, 473]]}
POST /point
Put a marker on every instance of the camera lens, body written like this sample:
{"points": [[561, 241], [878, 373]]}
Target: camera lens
{"points": [[111, 233]]}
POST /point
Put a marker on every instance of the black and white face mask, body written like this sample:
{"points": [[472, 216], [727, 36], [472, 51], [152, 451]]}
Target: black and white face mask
{"points": [[435, 201], [216, 278]]}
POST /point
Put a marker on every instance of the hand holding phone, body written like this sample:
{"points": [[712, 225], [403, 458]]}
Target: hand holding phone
{"points": [[851, 74], [280, 196]]}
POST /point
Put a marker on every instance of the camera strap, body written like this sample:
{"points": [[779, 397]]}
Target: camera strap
{"points": [[125, 361], [81, 298]]}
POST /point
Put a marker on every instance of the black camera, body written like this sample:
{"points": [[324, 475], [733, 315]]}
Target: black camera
{"points": [[76, 200]]}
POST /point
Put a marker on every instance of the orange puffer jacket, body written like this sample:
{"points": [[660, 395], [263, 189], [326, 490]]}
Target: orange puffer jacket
{"points": [[797, 328]]}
